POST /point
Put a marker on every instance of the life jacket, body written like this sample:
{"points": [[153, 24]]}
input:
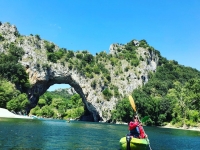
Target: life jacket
{"points": [[134, 129]]}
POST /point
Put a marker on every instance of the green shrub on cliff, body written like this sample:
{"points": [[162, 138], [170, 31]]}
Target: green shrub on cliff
{"points": [[13, 71], [1, 38]]}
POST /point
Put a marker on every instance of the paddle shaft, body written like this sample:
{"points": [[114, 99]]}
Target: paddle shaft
{"points": [[134, 108], [143, 129]]}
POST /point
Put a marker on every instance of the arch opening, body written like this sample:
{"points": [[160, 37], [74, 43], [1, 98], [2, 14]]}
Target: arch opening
{"points": [[65, 109]]}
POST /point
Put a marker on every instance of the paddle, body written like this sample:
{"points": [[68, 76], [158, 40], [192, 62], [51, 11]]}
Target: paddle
{"points": [[134, 108]]}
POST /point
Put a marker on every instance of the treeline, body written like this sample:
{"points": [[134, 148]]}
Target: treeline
{"points": [[172, 95], [13, 80], [59, 105]]}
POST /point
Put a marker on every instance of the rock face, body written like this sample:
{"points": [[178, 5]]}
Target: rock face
{"points": [[43, 73]]}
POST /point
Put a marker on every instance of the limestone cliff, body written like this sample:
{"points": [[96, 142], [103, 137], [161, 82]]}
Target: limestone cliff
{"points": [[123, 77]]}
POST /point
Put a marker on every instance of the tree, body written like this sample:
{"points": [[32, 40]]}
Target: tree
{"points": [[7, 92], [57, 102], [76, 100], [46, 111], [16, 51], [41, 102], [1, 38], [181, 105], [88, 58], [123, 111], [193, 86], [107, 93], [49, 46], [13, 71], [18, 103]]}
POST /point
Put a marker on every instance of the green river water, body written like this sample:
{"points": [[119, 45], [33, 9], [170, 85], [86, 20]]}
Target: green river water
{"points": [[24, 134]]}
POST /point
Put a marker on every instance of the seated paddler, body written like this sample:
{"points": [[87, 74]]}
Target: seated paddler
{"points": [[133, 127]]}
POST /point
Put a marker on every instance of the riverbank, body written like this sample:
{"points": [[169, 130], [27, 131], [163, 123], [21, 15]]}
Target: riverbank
{"points": [[4, 113], [182, 128], [171, 126]]}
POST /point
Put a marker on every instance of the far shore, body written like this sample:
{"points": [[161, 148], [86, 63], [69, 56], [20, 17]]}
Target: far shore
{"points": [[181, 128], [4, 113], [172, 127]]}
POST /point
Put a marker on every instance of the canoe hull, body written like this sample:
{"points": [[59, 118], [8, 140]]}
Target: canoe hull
{"points": [[135, 144]]}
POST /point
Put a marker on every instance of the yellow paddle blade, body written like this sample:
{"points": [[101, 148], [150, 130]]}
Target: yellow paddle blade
{"points": [[132, 103]]}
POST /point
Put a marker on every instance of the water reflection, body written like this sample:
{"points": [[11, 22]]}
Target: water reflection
{"points": [[173, 139], [20, 133], [59, 134]]}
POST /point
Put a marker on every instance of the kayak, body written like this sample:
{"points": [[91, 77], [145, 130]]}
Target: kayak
{"points": [[135, 144]]}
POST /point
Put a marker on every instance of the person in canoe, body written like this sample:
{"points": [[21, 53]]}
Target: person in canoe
{"points": [[135, 128]]}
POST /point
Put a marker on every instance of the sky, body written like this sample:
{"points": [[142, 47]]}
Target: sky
{"points": [[170, 26]]}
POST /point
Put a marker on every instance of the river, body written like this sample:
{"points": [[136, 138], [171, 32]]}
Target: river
{"points": [[24, 134]]}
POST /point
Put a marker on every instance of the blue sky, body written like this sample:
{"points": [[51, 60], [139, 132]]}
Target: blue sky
{"points": [[170, 26]]}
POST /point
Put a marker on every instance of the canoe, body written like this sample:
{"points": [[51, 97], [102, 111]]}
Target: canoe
{"points": [[135, 144]]}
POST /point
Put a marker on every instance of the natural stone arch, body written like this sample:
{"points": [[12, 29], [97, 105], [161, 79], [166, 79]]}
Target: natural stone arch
{"points": [[41, 86], [43, 74]]}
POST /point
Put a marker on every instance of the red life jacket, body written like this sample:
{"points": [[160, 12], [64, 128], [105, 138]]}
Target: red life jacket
{"points": [[133, 125], [134, 129]]}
